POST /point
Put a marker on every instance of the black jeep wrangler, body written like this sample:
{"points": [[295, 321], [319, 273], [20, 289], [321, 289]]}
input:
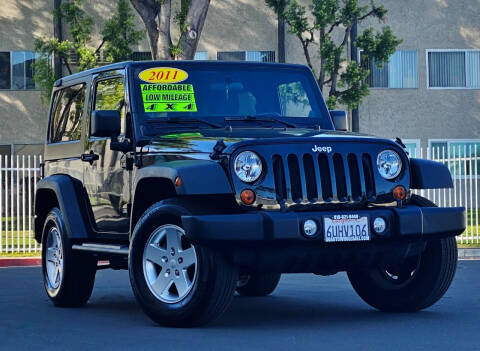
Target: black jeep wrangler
{"points": [[206, 178]]}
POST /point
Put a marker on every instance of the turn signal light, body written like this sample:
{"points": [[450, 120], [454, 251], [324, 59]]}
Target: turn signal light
{"points": [[399, 193], [178, 181], [247, 196]]}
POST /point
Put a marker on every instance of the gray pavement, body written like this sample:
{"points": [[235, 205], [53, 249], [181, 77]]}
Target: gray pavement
{"points": [[306, 312]]}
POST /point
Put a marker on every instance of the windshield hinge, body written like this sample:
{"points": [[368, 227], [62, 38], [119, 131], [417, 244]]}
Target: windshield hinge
{"points": [[218, 149], [400, 142]]}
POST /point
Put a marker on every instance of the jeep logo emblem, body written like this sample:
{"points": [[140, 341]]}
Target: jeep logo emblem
{"points": [[326, 149]]}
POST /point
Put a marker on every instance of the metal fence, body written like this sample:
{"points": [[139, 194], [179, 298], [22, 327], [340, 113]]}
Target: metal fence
{"points": [[463, 163], [18, 180], [19, 176]]}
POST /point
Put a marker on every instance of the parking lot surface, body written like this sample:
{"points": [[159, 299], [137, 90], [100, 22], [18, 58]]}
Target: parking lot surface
{"points": [[306, 312]]}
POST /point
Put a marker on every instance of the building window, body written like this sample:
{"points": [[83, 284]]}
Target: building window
{"points": [[400, 72], [147, 56], [66, 123], [201, 55], [16, 70], [453, 69], [462, 155], [413, 147], [5, 75], [142, 56], [257, 56], [261, 56], [231, 56]]}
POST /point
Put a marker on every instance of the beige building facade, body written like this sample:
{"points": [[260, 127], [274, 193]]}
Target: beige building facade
{"points": [[429, 94]]}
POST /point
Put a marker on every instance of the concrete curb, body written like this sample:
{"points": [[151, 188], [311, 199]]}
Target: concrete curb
{"points": [[469, 254], [20, 261]]}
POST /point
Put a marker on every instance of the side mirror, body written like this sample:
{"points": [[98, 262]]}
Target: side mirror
{"points": [[105, 124], [339, 119]]}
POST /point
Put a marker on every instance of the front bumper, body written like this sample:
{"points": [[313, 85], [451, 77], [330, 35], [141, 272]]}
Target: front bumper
{"points": [[409, 223]]}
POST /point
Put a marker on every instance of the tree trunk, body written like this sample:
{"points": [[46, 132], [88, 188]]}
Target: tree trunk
{"points": [[321, 76], [156, 17], [334, 75], [195, 18], [305, 51], [57, 33], [164, 42]]}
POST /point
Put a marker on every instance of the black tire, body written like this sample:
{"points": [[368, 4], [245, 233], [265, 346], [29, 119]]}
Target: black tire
{"points": [[212, 290], [78, 273], [402, 291], [255, 284]]}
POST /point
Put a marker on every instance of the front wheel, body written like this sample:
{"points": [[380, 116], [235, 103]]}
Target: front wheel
{"points": [[176, 283], [68, 276], [415, 284]]}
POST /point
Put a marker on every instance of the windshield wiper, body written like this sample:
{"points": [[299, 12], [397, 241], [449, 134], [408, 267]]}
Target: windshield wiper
{"points": [[182, 120], [268, 118]]}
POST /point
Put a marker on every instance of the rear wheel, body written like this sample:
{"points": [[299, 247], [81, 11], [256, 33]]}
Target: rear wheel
{"points": [[255, 284], [414, 284], [68, 277], [176, 283]]}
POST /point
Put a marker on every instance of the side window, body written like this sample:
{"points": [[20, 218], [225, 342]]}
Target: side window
{"points": [[293, 100], [66, 123], [110, 95]]}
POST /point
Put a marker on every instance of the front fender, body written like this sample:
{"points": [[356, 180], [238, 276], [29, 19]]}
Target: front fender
{"points": [[198, 177], [426, 174]]}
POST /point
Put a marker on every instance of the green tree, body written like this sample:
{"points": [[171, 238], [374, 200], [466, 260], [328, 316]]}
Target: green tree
{"points": [[157, 17], [119, 34], [322, 21]]}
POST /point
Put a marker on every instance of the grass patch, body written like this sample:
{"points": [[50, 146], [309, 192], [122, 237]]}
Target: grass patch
{"points": [[472, 232], [20, 254], [17, 240]]}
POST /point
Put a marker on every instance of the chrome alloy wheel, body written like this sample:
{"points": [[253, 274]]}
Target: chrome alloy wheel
{"points": [[54, 259], [169, 264]]}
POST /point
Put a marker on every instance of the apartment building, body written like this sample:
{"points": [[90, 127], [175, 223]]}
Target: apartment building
{"points": [[428, 94]]}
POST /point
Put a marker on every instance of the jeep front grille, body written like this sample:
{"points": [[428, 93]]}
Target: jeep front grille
{"points": [[321, 178]]}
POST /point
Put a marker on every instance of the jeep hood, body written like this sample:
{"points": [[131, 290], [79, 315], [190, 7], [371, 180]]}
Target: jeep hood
{"points": [[204, 140]]}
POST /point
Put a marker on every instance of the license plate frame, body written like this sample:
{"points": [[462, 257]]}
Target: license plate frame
{"points": [[346, 228]]}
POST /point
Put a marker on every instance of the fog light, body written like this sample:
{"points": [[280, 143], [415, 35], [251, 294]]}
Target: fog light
{"points": [[247, 196], [379, 225], [310, 227]]}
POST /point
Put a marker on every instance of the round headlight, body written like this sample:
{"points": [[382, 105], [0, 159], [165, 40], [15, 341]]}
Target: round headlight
{"points": [[248, 166], [389, 164]]}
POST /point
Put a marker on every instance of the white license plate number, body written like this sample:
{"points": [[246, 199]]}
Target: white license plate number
{"points": [[350, 227]]}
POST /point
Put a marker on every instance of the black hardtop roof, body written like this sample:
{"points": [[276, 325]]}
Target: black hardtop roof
{"points": [[186, 63]]}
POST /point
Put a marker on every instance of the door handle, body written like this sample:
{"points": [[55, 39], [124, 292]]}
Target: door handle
{"points": [[91, 157]]}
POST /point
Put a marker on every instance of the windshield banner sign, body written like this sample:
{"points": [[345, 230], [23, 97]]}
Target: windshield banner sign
{"points": [[168, 98]]}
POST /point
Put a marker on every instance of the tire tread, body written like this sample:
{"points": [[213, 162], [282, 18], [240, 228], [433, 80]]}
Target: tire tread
{"points": [[417, 295], [79, 269]]}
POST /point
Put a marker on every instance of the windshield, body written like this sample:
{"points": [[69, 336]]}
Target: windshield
{"points": [[213, 91]]}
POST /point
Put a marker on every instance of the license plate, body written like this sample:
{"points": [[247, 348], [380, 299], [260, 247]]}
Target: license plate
{"points": [[349, 227]]}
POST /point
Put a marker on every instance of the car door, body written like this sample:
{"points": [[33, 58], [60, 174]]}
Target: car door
{"points": [[106, 181], [64, 141]]}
